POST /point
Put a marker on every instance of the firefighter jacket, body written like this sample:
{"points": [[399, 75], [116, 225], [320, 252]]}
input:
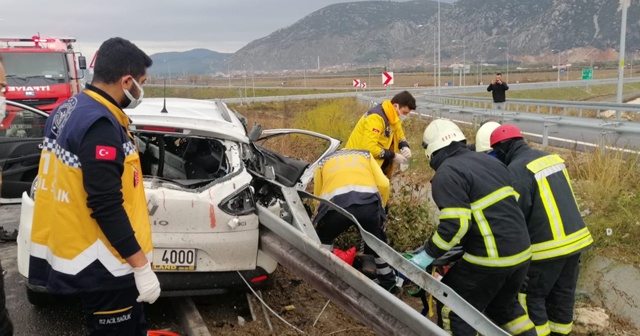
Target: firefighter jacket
{"points": [[379, 131], [546, 198], [478, 209], [348, 177], [69, 252]]}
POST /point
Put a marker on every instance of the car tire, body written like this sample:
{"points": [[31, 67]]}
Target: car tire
{"points": [[40, 299]]}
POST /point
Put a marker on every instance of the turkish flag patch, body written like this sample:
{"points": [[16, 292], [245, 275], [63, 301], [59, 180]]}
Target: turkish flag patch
{"points": [[105, 153], [375, 130]]}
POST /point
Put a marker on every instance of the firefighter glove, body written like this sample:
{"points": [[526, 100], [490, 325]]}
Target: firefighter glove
{"points": [[422, 259], [146, 283]]}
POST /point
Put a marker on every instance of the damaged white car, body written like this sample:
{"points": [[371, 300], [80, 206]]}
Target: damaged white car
{"points": [[203, 175]]}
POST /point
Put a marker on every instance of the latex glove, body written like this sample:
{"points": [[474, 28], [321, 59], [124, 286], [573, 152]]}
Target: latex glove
{"points": [[146, 283], [422, 259], [399, 158], [406, 152]]}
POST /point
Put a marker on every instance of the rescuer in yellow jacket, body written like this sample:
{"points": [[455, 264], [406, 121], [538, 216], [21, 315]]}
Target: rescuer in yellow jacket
{"points": [[379, 131], [354, 181], [91, 233]]}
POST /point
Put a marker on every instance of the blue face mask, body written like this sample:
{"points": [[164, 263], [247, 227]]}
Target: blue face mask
{"points": [[493, 154]]}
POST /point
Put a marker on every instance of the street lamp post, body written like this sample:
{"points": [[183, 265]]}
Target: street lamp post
{"points": [[304, 72], [623, 39], [229, 73], [559, 54], [439, 55], [253, 82], [244, 66], [369, 67], [463, 74], [507, 48]]}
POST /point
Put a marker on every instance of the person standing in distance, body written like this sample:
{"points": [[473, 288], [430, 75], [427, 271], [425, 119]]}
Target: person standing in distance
{"points": [[91, 233], [498, 89]]}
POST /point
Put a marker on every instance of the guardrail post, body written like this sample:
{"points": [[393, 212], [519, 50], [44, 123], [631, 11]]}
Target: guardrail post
{"points": [[538, 109], [564, 111], [545, 135], [580, 113]]}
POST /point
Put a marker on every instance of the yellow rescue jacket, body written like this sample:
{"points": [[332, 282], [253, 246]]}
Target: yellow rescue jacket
{"points": [[69, 251], [348, 177], [379, 131]]}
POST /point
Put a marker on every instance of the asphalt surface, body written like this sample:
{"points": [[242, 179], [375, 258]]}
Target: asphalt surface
{"points": [[65, 318]]}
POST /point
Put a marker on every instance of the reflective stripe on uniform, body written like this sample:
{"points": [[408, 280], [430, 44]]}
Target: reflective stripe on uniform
{"points": [[492, 198], [464, 215], [522, 298], [568, 249], [97, 251], [543, 330], [483, 225], [446, 322], [519, 325], [113, 311], [348, 189], [550, 206], [563, 329], [501, 261], [544, 162]]}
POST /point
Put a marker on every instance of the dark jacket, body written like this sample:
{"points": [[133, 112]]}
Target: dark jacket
{"points": [[478, 209], [5, 323], [499, 92], [546, 198]]}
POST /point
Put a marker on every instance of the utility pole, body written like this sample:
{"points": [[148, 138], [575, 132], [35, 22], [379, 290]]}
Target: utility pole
{"points": [[369, 67], [439, 55], [229, 74], [623, 36], [253, 82], [435, 63], [244, 66]]}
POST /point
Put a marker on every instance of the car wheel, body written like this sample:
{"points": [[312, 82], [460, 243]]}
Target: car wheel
{"points": [[39, 299]]}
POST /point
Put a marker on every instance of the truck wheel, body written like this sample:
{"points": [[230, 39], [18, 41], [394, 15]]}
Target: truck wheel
{"points": [[39, 299]]}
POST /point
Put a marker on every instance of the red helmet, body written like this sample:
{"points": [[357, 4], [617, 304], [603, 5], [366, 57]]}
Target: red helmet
{"points": [[505, 132]]}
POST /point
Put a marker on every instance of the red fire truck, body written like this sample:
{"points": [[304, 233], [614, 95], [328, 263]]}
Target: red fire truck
{"points": [[41, 72]]}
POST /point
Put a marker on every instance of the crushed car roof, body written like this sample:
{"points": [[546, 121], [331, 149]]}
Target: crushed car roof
{"points": [[208, 118]]}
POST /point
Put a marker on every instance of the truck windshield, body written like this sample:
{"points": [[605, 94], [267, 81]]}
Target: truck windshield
{"points": [[22, 67]]}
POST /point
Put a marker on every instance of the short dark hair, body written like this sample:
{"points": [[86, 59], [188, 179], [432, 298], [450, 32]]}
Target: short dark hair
{"points": [[499, 74], [404, 98], [118, 57]]}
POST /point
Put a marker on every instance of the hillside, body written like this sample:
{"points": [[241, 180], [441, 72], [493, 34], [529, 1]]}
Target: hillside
{"points": [[354, 33], [196, 61]]}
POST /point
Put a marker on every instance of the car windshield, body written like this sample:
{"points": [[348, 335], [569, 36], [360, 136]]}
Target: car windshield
{"points": [[188, 161], [23, 67]]}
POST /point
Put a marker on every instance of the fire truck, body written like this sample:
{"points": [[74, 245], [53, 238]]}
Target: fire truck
{"points": [[41, 72]]}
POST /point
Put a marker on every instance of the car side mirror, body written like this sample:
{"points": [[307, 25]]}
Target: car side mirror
{"points": [[82, 62], [255, 133]]}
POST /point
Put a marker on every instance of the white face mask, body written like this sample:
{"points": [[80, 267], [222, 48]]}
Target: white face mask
{"points": [[133, 101], [403, 117], [3, 107]]}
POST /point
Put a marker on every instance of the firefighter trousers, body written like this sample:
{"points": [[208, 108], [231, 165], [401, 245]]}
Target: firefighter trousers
{"points": [[492, 290], [550, 294], [6, 328], [368, 215], [114, 312]]}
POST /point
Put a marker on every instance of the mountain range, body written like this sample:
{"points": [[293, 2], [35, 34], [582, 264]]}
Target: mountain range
{"points": [[381, 32]]}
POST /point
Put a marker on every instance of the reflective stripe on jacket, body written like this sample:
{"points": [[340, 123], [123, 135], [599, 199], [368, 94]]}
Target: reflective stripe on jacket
{"points": [[69, 251]]}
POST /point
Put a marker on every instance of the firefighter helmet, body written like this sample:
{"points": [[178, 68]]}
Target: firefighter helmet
{"points": [[484, 135], [505, 132], [439, 134]]}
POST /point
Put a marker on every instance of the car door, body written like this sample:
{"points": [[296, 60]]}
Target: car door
{"points": [[300, 145], [21, 135]]}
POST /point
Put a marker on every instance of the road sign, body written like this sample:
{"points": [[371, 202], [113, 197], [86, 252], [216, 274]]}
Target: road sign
{"points": [[387, 78], [363, 85], [587, 74], [356, 83], [562, 71]]}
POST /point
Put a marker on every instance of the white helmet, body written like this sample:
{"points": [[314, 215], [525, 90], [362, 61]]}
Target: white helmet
{"points": [[439, 134], [483, 136]]}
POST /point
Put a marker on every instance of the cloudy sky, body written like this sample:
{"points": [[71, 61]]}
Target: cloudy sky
{"points": [[154, 25]]}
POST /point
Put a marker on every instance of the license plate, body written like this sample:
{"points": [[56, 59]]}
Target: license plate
{"points": [[174, 259]]}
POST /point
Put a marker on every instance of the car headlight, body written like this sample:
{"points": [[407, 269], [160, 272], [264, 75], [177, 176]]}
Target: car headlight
{"points": [[32, 191]]}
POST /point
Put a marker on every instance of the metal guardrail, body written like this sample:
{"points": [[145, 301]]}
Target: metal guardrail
{"points": [[603, 127], [578, 108]]}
